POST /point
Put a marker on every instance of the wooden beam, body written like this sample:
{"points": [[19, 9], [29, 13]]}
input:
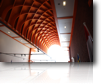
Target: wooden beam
{"points": [[33, 50], [73, 22], [29, 61], [68, 17], [55, 16], [16, 37]]}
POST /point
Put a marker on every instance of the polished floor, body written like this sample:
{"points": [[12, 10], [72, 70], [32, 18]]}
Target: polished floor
{"points": [[46, 73]]}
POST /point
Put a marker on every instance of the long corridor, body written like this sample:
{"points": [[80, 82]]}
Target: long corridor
{"points": [[28, 30]]}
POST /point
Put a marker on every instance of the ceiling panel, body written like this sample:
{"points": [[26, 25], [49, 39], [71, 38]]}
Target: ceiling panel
{"points": [[65, 25], [65, 44], [8, 31], [65, 49], [63, 11], [21, 40], [65, 37], [29, 45]]}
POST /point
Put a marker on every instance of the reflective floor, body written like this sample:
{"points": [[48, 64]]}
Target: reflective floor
{"points": [[46, 73]]}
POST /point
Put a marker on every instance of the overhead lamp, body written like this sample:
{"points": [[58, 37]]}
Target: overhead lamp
{"points": [[8, 32], [65, 27], [64, 3]]}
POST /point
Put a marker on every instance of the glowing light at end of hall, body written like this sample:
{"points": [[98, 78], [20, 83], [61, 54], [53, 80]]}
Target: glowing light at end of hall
{"points": [[54, 51], [57, 53]]}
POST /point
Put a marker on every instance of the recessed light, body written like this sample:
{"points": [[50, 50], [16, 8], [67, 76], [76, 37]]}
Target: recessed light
{"points": [[8, 32], [64, 26], [64, 3]]}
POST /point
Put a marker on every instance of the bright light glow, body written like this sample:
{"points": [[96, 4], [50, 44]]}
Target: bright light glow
{"points": [[64, 3], [57, 53]]}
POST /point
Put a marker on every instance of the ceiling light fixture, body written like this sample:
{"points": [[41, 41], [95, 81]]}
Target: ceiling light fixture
{"points": [[8, 32], [64, 3], [65, 27]]}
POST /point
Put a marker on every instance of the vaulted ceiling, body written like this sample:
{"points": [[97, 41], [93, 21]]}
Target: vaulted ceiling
{"points": [[33, 20], [41, 23]]}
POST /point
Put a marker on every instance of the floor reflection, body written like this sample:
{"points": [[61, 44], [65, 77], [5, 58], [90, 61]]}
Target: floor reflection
{"points": [[46, 73]]}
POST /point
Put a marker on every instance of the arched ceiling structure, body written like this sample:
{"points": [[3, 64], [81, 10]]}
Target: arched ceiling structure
{"points": [[31, 19]]}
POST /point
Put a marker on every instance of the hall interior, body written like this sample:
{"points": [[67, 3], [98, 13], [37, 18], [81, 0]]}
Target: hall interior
{"points": [[39, 40]]}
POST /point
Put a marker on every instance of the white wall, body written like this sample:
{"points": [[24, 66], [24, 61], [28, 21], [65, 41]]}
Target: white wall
{"points": [[9, 45]]}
